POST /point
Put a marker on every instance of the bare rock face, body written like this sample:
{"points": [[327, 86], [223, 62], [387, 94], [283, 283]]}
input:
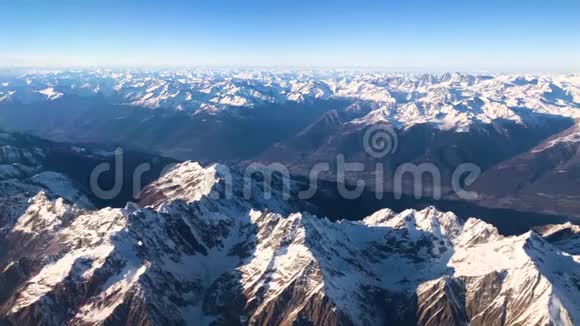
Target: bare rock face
{"points": [[542, 179], [564, 236], [207, 258], [441, 302]]}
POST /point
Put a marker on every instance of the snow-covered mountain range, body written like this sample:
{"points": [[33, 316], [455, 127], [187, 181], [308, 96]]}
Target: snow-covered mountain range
{"points": [[304, 118], [189, 254], [192, 251], [450, 101]]}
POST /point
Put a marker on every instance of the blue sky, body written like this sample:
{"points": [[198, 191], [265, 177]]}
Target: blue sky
{"points": [[401, 35]]}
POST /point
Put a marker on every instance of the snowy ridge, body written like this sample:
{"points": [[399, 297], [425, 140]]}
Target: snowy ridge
{"points": [[30, 194], [198, 257], [189, 182], [570, 136], [564, 236], [450, 101]]}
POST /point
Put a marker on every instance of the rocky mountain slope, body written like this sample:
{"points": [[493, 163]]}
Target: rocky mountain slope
{"points": [[195, 251], [29, 164], [544, 178]]}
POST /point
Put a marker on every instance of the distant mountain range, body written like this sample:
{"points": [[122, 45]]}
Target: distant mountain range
{"points": [[451, 101]]}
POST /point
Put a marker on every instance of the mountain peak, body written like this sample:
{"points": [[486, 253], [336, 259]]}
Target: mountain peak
{"points": [[188, 181]]}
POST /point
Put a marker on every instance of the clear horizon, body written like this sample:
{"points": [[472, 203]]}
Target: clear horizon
{"points": [[280, 68], [423, 36]]}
